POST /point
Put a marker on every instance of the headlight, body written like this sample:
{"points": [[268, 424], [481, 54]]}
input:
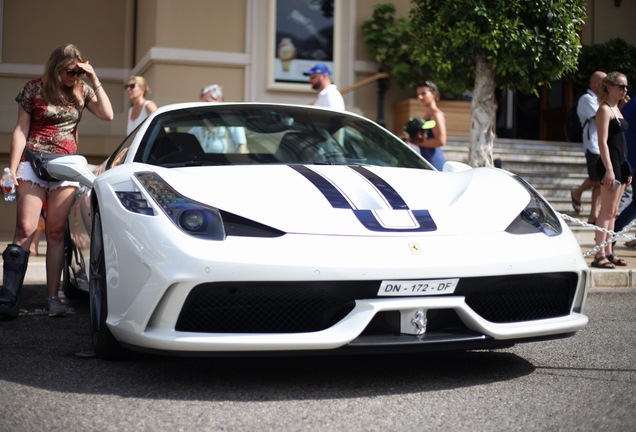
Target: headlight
{"points": [[193, 220], [190, 216], [538, 216]]}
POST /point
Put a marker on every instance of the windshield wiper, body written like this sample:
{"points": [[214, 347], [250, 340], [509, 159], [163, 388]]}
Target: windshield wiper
{"points": [[346, 163], [191, 163]]}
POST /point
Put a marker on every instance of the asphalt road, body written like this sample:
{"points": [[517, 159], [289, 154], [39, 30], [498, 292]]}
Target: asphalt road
{"points": [[585, 383]]}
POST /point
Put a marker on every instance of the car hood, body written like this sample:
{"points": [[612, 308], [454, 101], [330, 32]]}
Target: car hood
{"points": [[350, 200]]}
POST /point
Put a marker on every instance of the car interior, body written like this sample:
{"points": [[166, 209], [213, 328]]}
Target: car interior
{"points": [[284, 136]]}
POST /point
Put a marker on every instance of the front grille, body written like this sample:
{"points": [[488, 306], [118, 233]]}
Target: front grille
{"points": [[520, 297], [260, 308], [296, 307]]}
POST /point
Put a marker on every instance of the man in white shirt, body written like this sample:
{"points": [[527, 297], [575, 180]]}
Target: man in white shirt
{"points": [[328, 94], [586, 108]]}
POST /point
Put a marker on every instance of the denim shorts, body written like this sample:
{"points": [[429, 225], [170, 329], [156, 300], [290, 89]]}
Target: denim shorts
{"points": [[25, 173]]}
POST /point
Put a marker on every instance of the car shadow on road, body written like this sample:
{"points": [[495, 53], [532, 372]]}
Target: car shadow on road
{"points": [[34, 340]]}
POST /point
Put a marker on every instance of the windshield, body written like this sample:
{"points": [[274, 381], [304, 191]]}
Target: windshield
{"points": [[230, 134]]}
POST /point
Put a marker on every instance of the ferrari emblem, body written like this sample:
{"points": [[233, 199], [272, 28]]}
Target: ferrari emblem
{"points": [[419, 321], [415, 248]]}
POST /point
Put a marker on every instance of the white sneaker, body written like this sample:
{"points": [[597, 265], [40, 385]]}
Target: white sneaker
{"points": [[54, 307]]}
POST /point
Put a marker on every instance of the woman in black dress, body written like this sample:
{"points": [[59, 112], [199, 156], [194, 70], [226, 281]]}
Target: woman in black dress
{"points": [[614, 170]]}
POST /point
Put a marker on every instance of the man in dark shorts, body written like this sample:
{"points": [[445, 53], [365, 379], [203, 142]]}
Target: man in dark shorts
{"points": [[586, 108]]}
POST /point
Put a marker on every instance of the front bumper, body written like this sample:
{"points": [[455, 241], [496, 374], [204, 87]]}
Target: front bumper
{"points": [[348, 330], [255, 317]]}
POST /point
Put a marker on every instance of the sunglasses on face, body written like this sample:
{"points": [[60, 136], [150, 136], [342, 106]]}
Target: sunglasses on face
{"points": [[75, 72], [623, 87], [130, 86]]}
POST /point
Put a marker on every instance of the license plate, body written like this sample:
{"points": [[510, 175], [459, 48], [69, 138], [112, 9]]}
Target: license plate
{"points": [[409, 288]]}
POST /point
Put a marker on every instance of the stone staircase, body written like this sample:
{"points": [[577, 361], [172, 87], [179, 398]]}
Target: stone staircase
{"points": [[553, 168]]}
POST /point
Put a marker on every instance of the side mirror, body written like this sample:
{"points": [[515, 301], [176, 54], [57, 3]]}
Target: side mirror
{"points": [[453, 166], [72, 168]]}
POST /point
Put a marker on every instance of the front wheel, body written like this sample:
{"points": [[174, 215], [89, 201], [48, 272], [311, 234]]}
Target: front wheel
{"points": [[104, 343], [70, 284]]}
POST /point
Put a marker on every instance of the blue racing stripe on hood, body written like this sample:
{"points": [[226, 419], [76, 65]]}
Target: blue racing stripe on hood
{"points": [[367, 217], [333, 195], [371, 222], [392, 196]]}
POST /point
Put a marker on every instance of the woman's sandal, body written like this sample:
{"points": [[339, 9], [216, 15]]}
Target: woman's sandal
{"points": [[616, 260], [576, 204], [602, 262]]}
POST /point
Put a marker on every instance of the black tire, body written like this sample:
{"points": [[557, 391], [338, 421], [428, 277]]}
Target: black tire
{"points": [[104, 343], [69, 284]]}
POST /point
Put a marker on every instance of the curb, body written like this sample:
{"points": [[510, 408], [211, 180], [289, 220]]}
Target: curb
{"points": [[617, 278], [614, 279], [36, 274]]}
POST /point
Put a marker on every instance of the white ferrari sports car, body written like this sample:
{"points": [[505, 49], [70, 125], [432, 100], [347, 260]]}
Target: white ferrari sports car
{"points": [[325, 233]]}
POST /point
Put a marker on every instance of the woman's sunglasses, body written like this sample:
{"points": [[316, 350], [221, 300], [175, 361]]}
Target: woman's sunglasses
{"points": [[623, 87], [130, 86], [75, 72]]}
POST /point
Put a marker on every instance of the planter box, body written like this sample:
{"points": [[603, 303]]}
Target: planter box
{"points": [[457, 115]]}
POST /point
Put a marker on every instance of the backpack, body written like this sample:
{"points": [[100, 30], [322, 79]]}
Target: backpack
{"points": [[573, 126]]}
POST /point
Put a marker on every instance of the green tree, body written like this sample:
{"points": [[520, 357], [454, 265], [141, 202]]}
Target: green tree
{"points": [[392, 46], [518, 44], [613, 55]]}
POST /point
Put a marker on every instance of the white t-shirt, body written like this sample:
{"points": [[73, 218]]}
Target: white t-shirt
{"points": [[219, 139], [586, 109], [330, 97]]}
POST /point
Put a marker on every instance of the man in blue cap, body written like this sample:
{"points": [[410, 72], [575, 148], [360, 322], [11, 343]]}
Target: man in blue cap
{"points": [[328, 94]]}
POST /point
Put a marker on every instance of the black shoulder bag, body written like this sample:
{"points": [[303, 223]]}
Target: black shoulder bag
{"points": [[39, 162]]}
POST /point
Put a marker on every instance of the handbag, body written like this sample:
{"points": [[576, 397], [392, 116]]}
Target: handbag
{"points": [[39, 162]]}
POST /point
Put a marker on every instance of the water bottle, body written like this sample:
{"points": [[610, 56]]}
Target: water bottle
{"points": [[8, 187]]}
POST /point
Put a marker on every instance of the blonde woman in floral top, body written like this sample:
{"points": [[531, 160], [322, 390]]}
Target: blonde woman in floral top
{"points": [[49, 111]]}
